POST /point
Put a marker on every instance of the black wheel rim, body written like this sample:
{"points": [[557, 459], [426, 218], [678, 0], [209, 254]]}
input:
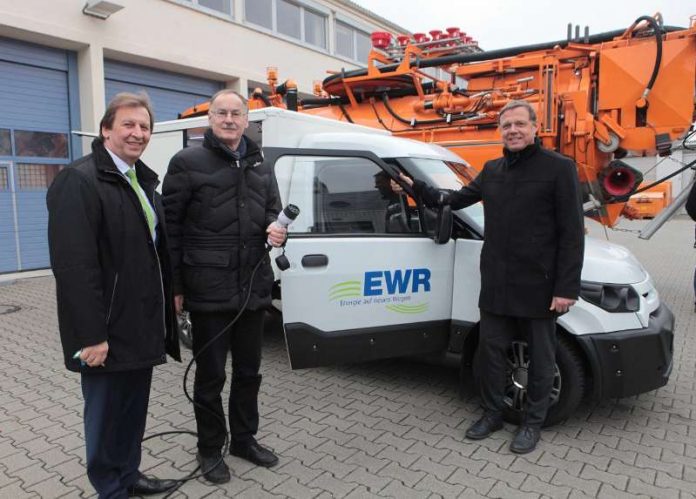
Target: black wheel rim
{"points": [[516, 378]]}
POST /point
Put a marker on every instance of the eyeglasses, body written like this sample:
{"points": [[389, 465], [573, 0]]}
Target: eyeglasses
{"points": [[224, 113]]}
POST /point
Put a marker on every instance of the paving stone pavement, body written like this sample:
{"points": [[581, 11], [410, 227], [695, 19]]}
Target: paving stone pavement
{"points": [[381, 429]]}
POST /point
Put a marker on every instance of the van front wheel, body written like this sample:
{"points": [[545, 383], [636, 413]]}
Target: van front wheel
{"points": [[568, 382]]}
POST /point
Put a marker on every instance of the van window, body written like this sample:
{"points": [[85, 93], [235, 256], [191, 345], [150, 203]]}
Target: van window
{"points": [[345, 196], [194, 136], [446, 175]]}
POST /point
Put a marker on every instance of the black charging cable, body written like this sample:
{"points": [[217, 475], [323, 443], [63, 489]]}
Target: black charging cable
{"points": [[225, 447]]}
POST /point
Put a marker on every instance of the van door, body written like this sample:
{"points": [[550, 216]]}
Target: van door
{"points": [[365, 280]]}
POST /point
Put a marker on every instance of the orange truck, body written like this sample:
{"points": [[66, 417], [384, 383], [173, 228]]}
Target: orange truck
{"points": [[599, 98]]}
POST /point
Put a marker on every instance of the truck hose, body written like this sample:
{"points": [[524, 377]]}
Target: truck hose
{"points": [[494, 54], [414, 122], [658, 54]]}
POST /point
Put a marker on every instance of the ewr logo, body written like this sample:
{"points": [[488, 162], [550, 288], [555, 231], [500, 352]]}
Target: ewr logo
{"points": [[379, 282]]}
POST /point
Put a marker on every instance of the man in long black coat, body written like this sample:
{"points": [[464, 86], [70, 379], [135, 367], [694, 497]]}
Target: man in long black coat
{"points": [[108, 248], [530, 263]]}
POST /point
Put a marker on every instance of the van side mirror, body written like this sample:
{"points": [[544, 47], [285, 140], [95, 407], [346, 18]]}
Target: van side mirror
{"points": [[443, 227]]}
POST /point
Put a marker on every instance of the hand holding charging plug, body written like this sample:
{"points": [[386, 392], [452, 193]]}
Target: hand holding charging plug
{"points": [[276, 235], [285, 218], [93, 356], [278, 230]]}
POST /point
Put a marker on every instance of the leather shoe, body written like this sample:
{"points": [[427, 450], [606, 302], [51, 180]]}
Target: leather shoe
{"points": [[255, 453], [525, 440], [484, 427], [145, 486], [214, 468]]}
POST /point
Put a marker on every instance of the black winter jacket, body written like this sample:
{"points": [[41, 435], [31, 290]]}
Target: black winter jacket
{"points": [[218, 208], [112, 284], [533, 237]]}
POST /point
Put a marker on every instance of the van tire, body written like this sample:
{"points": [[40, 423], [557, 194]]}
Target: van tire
{"points": [[569, 385]]}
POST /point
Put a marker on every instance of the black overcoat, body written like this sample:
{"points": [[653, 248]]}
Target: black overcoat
{"points": [[218, 207], [112, 282], [534, 234]]}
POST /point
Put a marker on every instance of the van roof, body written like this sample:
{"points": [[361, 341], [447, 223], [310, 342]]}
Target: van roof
{"points": [[270, 112], [384, 146]]}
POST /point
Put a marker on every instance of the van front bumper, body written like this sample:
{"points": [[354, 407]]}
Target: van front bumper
{"points": [[626, 363]]}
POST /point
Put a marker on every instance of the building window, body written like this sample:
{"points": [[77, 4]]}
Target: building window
{"points": [[5, 142], [221, 6], [41, 144], [363, 45], [288, 18], [315, 28], [259, 12], [4, 178], [344, 40], [36, 176], [352, 42]]}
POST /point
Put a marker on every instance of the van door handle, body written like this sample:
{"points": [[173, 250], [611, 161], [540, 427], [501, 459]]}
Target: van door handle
{"points": [[315, 261]]}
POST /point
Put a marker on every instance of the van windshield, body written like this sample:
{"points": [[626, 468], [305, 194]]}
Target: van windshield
{"points": [[445, 175]]}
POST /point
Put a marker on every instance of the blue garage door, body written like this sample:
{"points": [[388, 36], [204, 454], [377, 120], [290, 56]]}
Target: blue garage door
{"points": [[171, 93], [39, 108]]}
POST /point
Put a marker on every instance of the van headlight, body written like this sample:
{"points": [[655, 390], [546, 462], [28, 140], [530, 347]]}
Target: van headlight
{"points": [[610, 297]]}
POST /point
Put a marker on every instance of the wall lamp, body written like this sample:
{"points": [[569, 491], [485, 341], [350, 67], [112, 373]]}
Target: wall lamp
{"points": [[100, 8]]}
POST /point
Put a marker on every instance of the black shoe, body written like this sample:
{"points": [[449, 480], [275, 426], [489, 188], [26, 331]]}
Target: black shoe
{"points": [[484, 427], [525, 440], [254, 453], [214, 468], [145, 486]]}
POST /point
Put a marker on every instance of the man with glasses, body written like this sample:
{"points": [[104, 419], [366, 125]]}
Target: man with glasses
{"points": [[531, 262], [221, 202]]}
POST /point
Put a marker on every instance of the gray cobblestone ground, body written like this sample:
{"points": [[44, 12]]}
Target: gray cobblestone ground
{"points": [[388, 429]]}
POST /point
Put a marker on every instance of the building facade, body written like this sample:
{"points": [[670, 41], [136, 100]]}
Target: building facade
{"points": [[62, 60]]}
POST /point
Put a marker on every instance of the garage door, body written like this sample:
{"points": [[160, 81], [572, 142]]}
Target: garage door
{"points": [[39, 107], [171, 93]]}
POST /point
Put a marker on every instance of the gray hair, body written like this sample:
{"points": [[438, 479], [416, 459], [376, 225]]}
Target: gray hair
{"points": [[513, 104], [229, 91]]}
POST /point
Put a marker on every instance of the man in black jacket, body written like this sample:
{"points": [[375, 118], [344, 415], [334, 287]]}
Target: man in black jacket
{"points": [[221, 203], [108, 250], [530, 264]]}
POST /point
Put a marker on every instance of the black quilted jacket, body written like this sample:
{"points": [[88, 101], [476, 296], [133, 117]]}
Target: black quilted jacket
{"points": [[217, 210]]}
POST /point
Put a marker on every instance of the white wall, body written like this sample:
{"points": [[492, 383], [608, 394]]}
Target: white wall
{"points": [[167, 35]]}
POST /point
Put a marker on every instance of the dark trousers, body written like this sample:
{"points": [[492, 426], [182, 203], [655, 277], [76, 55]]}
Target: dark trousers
{"points": [[115, 415], [497, 331], [243, 341]]}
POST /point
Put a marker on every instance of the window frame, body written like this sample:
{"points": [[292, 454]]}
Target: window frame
{"points": [[354, 30], [15, 157], [304, 7], [9, 142], [193, 4], [274, 154]]}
